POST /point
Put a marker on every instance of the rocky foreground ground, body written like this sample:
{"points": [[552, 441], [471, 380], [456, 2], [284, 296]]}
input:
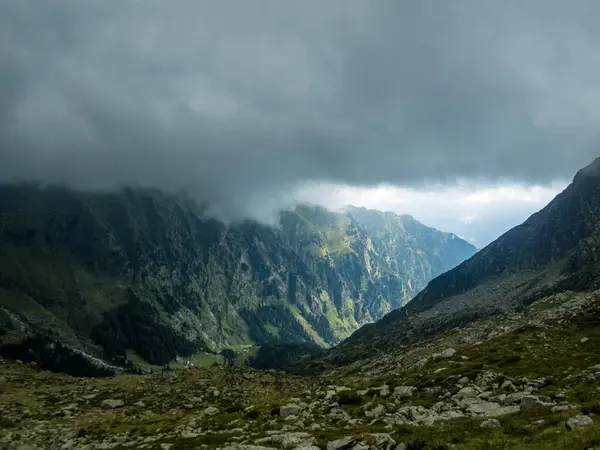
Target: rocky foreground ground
{"points": [[528, 380]]}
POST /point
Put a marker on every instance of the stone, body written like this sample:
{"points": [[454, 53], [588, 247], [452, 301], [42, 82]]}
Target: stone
{"points": [[584, 340], [289, 440], [361, 446], [530, 402], [508, 387], [112, 404], [166, 446], [140, 404], [289, 410], [384, 391], [514, 398], [467, 392], [463, 381], [210, 411], [345, 443], [491, 423], [378, 411], [490, 409], [404, 391], [246, 447], [382, 441], [448, 353], [580, 421], [560, 408]]}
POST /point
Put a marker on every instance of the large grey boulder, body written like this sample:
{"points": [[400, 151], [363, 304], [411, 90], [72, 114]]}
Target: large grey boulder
{"points": [[580, 421]]}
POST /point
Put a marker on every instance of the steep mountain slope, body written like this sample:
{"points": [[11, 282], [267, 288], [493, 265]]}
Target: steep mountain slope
{"points": [[555, 250], [141, 273], [416, 252]]}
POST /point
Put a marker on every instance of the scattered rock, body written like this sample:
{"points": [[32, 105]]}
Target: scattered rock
{"points": [[405, 391], [289, 410], [378, 411], [382, 441], [580, 421], [448, 353], [491, 423], [289, 440], [112, 404], [463, 381], [210, 411], [345, 443], [508, 386], [530, 402], [468, 392], [384, 391]]}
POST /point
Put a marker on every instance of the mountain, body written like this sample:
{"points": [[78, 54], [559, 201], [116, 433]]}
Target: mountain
{"points": [[555, 250], [140, 274]]}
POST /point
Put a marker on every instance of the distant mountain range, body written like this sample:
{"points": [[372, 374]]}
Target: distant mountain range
{"points": [[144, 274], [555, 250]]}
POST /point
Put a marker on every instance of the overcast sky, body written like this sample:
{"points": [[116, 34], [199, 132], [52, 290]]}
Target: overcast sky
{"points": [[240, 102]]}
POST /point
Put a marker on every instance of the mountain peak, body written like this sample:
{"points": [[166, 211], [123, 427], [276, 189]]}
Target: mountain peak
{"points": [[590, 171]]}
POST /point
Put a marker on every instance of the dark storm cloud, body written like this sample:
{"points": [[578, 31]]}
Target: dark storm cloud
{"points": [[238, 100]]}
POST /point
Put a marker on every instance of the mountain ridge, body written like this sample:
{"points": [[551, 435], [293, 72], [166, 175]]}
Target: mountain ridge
{"points": [[555, 250], [147, 274]]}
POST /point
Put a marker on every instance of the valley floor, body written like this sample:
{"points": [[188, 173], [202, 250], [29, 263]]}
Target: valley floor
{"points": [[528, 380]]}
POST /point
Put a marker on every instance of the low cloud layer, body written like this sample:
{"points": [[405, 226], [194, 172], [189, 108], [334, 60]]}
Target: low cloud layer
{"points": [[238, 102]]}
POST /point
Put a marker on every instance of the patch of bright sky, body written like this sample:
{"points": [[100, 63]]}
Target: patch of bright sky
{"points": [[476, 212]]}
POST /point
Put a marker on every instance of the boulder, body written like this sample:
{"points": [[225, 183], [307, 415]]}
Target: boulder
{"points": [[210, 411], [378, 411], [405, 391], [384, 391], [246, 447], [468, 392], [289, 410], [382, 441], [289, 440], [345, 443], [112, 404], [491, 423], [530, 402], [448, 353], [508, 387], [580, 421]]}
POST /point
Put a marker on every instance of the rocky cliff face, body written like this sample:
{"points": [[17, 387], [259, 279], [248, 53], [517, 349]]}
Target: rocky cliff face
{"points": [[141, 273], [555, 250]]}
